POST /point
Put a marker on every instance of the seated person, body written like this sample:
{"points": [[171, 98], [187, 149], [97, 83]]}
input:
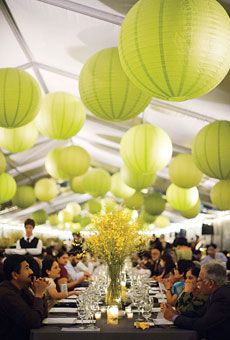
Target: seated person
{"points": [[215, 321], [191, 302], [154, 262], [82, 265], [167, 265], [17, 315], [29, 241], [182, 250], [213, 254], [51, 271]]}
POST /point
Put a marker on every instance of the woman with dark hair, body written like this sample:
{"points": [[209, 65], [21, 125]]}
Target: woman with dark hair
{"points": [[183, 251], [167, 265]]}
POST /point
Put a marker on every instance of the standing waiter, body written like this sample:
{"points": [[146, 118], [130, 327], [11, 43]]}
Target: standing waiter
{"points": [[29, 241]]}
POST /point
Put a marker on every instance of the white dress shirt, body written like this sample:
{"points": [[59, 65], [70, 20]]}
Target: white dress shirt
{"points": [[72, 273], [39, 245]]}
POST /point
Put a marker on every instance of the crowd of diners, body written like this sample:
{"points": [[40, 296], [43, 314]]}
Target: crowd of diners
{"points": [[196, 285]]}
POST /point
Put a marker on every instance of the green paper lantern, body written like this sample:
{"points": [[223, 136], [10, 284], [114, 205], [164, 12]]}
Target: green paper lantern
{"points": [[175, 49], [8, 188], [77, 219], [18, 139], [193, 212], [52, 164], [134, 202], [53, 220], [75, 227], [154, 203], [74, 161], [119, 188], [85, 221], [20, 98], [137, 180], [24, 197], [62, 116], [40, 216], [182, 199], [97, 182], [106, 90], [77, 185], [183, 172], [146, 149], [73, 208], [94, 206], [162, 221], [2, 163], [65, 216], [46, 189], [146, 217], [210, 149], [220, 195]]}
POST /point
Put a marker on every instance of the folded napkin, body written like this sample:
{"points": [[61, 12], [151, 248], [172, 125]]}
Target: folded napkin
{"points": [[141, 325], [63, 310], [75, 329]]}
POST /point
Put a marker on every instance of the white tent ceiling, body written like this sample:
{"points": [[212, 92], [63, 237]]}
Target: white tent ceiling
{"points": [[52, 39]]}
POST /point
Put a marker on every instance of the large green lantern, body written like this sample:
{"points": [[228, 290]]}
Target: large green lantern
{"points": [[146, 217], [182, 199], [74, 208], [94, 206], [106, 90], [183, 172], [77, 185], [40, 216], [7, 188], [18, 139], [62, 115], [2, 163], [74, 161], [135, 201], [175, 49], [46, 189], [24, 197], [52, 164], [192, 212], [65, 216], [154, 203], [97, 182], [146, 149], [119, 188], [210, 149], [137, 180], [53, 219], [220, 195], [20, 98]]}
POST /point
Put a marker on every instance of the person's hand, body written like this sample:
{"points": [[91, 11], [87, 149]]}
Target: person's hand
{"points": [[189, 287], [167, 283], [39, 287], [73, 292], [168, 312]]}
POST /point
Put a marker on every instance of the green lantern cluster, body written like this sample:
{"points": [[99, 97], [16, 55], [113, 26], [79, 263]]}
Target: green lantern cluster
{"points": [[77, 185], [53, 219], [53, 165], [154, 204], [137, 180], [220, 195], [192, 212], [8, 188], [94, 206], [2, 163], [175, 49], [18, 139], [46, 189], [210, 149], [65, 216], [119, 188], [135, 201], [74, 161], [106, 90], [20, 98], [62, 116], [40, 216], [183, 172], [73, 208], [182, 199], [146, 149], [97, 182], [24, 197]]}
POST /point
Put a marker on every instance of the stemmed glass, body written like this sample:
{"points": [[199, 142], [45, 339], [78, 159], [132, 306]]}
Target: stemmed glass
{"points": [[82, 314]]}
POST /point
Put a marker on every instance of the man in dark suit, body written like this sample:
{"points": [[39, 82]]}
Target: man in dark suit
{"points": [[214, 324]]}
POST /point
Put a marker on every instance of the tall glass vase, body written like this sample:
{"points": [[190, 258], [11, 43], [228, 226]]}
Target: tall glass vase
{"points": [[114, 285]]}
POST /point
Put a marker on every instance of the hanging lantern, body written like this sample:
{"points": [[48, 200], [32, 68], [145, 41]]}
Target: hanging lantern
{"points": [[46, 189], [7, 188], [146, 217], [18, 139], [65, 216], [77, 185], [210, 149], [86, 220], [162, 221], [52, 164], [220, 195], [137, 180], [154, 203], [134, 202], [183, 172], [119, 188], [20, 98], [97, 182], [24, 197], [193, 212], [62, 116], [182, 199], [94, 206], [53, 220], [175, 49], [40, 216], [106, 90], [146, 149], [73, 208], [2, 163], [74, 161]]}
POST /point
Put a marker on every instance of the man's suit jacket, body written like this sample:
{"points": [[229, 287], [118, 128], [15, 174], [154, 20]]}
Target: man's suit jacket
{"points": [[215, 322]]}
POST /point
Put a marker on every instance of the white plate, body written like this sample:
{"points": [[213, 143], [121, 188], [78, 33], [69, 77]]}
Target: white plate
{"points": [[67, 300], [63, 310], [156, 309], [61, 321], [80, 288], [159, 322]]}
